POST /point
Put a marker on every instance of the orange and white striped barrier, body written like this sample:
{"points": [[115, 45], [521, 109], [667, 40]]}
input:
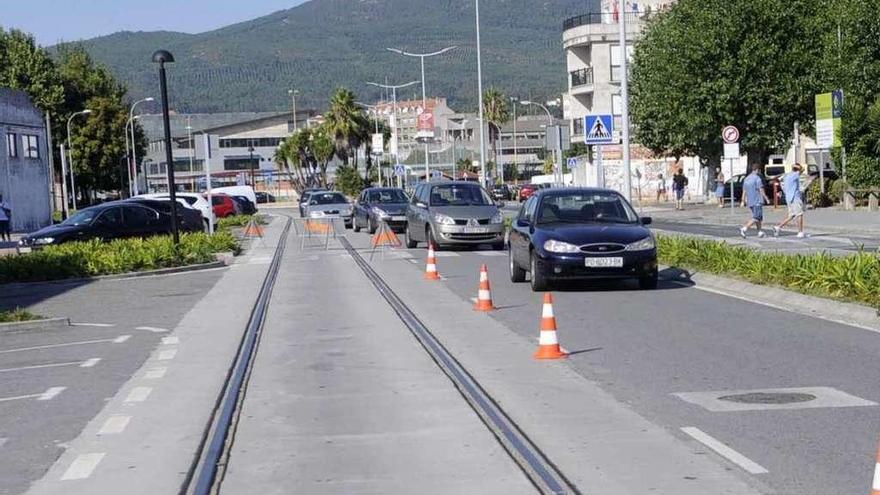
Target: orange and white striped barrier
{"points": [[431, 267], [548, 343], [484, 294], [875, 485]]}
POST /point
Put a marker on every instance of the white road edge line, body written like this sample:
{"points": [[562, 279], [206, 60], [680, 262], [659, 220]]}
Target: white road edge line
{"points": [[170, 340], [167, 355], [39, 366], [20, 397], [82, 467], [89, 363], [155, 373], [138, 394], [121, 339], [51, 393], [117, 340], [101, 325], [115, 424], [153, 329], [724, 451]]}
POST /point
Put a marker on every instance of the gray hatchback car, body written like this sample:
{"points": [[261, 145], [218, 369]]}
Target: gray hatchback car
{"points": [[448, 213]]}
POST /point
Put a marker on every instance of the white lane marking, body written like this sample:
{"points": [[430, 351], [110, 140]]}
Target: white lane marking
{"points": [[82, 467], [167, 355], [101, 325], [117, 340], [446, 254], [39, 366], [114, 424], [491, 253], [724, 451], [875, 484], [414, 262], [155, 373], [153, 329], [170, 340], [90, 363], [138, 394], [20, 397], [51, 393]]}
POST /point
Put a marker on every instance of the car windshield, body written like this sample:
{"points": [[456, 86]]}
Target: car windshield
{"points": [[387, 196], [581, 207], [459, 195], [83, 217], [326, 198]]}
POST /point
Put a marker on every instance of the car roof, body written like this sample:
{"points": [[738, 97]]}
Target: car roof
{"points": [[556, 191], [383, 189]]}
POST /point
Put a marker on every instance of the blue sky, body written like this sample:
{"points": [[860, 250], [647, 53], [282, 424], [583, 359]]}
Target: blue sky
{"points": [[54, 20]]}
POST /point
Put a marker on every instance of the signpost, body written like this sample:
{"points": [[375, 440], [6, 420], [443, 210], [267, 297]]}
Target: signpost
{"points": [[829, 108], [598, 131], [730, 135]]}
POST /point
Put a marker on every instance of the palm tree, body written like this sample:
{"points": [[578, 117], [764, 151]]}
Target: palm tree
{"points": [[497, 113], [347, 124]]}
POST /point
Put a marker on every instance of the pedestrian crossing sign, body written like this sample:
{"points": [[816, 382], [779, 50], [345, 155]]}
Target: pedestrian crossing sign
{"points": [[599, 129]]}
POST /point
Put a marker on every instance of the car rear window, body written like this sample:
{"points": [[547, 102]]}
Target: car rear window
{"points": [[327, 198], [459, 195]]}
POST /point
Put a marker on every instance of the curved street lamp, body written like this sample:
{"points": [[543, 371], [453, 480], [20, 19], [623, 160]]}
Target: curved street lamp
{"points": [[162, 57], [133, 147], [70, 154]]}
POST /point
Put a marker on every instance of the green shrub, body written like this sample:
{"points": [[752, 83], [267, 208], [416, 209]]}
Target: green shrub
{"points": [[835, 192], [851, 278], [16, 315], [91, 258], [816, 197], [239, 221]]}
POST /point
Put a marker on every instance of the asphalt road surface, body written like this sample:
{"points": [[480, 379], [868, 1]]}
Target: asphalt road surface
{"points": [[651, 349]]}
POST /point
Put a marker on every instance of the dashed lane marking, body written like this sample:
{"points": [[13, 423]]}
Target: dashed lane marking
{"points": [[167, 355], [490, 253], [51, 393], [90, 363], [117, 340], [115, 424], [724, 451], [446, 254], [19, 397], [153, 329], [82, 467], [138, 394], [40, 366], [100, 325], [170, 340], [155, 373]]}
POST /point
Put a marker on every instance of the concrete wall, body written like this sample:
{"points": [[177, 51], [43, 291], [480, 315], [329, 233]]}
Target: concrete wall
{"points": [[24, 182]]}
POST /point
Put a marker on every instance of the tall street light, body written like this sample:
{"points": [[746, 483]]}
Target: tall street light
{"points": [[70, 155], [624, 105], [480, 95], [394, 135], [515, 166], [422, 57], [251, 161], [293, 93], [134, 141], [375, 110], [162, 57], [129, 150]]}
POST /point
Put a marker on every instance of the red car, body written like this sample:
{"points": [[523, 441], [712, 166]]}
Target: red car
{"points": [[224, 206], [526, 191]]}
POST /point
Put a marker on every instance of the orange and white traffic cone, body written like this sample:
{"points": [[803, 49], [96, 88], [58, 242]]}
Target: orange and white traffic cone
{"points": [[875, 485], [548, 344], [484, 294], [431, 267]]}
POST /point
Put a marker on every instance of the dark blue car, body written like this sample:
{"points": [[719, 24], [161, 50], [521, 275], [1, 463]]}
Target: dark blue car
{"points": [[581, 234]]}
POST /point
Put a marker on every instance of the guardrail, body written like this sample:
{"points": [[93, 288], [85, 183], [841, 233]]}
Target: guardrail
{"points": [[581, 77], [850, 198], [601, 18]]}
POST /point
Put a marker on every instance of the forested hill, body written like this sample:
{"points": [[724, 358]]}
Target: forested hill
{"points": [[323, 44]]}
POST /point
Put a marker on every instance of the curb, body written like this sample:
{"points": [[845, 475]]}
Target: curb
{"points": [[818, 230], [147, 273], [44, 324], [857, 315]]}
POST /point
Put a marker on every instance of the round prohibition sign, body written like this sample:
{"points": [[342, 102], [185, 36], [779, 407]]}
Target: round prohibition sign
{"points": [[730, 134]]}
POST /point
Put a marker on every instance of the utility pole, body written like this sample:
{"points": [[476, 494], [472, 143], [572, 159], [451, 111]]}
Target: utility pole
{"points": [[624, 103], [480, 94], [515, 151]]}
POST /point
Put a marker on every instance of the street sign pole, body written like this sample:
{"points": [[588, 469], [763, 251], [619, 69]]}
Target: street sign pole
{"points": [[624, 103], [208, 180]]}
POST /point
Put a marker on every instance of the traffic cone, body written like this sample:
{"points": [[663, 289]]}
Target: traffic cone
{"points": [[484, 294], [875, 485], [548, 345], [431, 268]]}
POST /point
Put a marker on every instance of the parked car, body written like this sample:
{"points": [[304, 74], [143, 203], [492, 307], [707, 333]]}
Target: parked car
{"points": [[245, 206], [501, 192], [246, 191], [224, 206], [108, 221], [189, 219], [380, 204], [526, 191], [190, 200], [581, 234], [737, 181], [329, 204], [447, 213], [304, 199], [264, 197]]}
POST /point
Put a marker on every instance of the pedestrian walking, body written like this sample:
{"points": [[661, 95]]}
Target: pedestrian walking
{"points": [[755, 197], [791, 187], [679, 184], [5, 220], [661, 188], [719, 187]]}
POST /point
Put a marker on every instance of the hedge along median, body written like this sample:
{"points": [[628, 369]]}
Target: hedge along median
{"points": [[853, 278], [92, 258]]}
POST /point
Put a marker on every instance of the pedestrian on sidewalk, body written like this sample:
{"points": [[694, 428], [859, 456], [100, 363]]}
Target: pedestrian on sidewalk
{"points": [[755, 196], [661, 188], [679, 184], [5, 220], [791, 187], [719, 187]]}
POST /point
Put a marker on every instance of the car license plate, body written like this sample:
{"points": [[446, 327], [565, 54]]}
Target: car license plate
{"points": [[24, 250], [616, 262], [398, 219], [476, 230]]}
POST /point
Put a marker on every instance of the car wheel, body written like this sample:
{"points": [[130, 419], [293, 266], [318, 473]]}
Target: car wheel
{"points": [[356, 226], [207, 226], [517, 274], [539, 281], [649, 282], [371, 226], [410, 243], [432, 241]]}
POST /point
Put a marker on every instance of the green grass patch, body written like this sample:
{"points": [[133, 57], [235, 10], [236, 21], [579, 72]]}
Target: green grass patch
{"points": [[853, 278], [239, 221], [92, 258], [16, 315]]}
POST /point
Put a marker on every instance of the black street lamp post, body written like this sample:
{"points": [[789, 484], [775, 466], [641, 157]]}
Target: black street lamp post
{"points": [[251, 151], [161, 57]]}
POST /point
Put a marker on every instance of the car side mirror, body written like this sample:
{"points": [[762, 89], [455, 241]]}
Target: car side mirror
{"points": [[647, 220], [522, 222], [421, 205]]}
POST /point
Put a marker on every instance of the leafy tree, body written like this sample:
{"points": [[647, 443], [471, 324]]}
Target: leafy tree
{"points": [[703, 64], [548, 165], [861, 135], [496, 110], [27, 67], [349, 181], [347, 124]]}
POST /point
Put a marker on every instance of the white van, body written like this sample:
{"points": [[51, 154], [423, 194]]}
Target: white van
{"points": [[246, 191]]}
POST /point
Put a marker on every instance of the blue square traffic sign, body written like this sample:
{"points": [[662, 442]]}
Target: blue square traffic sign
{"points": [[599, 129]]}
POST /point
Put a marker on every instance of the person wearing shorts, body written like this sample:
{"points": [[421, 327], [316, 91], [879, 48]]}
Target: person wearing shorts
{"points": [[661, 188], [755, 197], [791, 186], [719, 187], [679, 184]]}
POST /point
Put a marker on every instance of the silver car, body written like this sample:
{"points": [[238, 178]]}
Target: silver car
{"points": [[447, 213], [329, 204]]}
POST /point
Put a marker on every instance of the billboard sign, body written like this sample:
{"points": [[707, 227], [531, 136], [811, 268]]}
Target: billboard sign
{"points": [[378, 144], [829, 107], [425, 125]]}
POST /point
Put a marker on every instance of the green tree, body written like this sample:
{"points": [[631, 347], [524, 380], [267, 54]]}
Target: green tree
{"points": [[548, 165], [348, 125], [703, 64], [27, 67], [496, 110], [349, 181], [861, 135]]}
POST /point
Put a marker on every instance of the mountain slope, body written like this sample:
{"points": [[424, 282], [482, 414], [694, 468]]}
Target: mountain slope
{"points": [[322, 44]]}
